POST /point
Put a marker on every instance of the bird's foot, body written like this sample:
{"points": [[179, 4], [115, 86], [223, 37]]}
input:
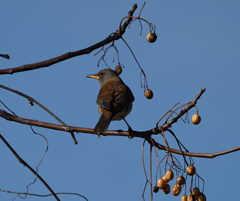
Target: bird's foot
{"points": [[100, 133], [130, 133]]}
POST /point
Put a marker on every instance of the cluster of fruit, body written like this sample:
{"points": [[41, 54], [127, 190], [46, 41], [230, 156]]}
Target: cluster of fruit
{"points": [[195, 195], [163, 184], [176, 190]]}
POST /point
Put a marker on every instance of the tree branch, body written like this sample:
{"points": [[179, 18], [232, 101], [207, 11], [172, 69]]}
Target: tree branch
{"points": [[6, 56], [32, 100], [115, 36], [183, 111], [29, 167], [48, 195], [200, 155], [10, 117], [143, 134]]}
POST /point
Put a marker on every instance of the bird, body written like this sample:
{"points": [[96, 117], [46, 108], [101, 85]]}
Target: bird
{"points": [[114, 99]]}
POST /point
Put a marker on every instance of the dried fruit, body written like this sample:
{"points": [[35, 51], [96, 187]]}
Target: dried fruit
{"points": [[184, 198], [196, 192], [202, 197], [196, 119], [161, 183], [177, 185], [149, 94], [176, 190], [155, 189], [181, 180], [191, 170], [165, 178], [191, 197], [166, 190], [169, 175], [151, 37], [118, 69]]}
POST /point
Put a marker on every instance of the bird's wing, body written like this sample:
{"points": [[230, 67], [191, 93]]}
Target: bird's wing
{"points": [[114, 96]]}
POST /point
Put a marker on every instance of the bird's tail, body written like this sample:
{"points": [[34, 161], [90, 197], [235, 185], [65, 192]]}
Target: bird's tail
{"points": [[102, 124]]}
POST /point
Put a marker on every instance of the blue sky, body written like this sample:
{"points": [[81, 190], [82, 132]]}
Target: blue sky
{"points": [[198, 46]]}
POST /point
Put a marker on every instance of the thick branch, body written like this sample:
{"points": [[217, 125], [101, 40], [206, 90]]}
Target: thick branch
{"points": [[115, 36], [32, 100], [10, 117], [144, 134]]}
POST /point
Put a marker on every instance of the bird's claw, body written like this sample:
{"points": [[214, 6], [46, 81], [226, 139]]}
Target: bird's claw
{"points": [[129, 133]]}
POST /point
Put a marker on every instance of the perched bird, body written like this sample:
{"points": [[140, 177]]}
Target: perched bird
{"points": [[114, 100]]}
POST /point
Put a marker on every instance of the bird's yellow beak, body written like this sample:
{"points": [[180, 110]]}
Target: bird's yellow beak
{"points": [[95, 76]]}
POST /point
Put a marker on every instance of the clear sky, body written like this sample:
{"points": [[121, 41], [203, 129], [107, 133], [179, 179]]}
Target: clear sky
{"points": [[198, 46]]}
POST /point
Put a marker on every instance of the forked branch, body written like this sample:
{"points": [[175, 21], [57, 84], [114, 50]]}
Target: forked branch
{"points": [[115, 36], [29, 167], [142, 134]]}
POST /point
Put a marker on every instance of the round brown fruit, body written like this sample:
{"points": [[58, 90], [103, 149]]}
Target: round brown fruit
{"points": [[151, 37], [196, 119], [155, 189], [149, 94], [191, 170], [181, 180], [196, 191], [165, 178], [176, 191], [202, 197], [166, 190], [184, 198], [161, 183], [191, 197], [118, 69], [169, 175], [177, 185]]}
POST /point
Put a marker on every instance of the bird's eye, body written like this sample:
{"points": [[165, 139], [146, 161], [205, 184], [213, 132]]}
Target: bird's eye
{"points": [[101, 74]]}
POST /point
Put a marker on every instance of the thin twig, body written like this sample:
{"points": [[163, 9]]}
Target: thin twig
{"points": [[37, 195], [151, 172], [40, 160], [144, 170], [145, 85], [6, 56], [183, 111], [31, 169]]}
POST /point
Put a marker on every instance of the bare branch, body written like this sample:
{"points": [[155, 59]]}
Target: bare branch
{"points": [[31, 101], [200, 155], [48, 195], [183, 111], [6, 56], [143, 134], [118, 34], [29, 167]]}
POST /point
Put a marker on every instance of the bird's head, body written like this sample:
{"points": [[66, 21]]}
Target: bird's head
{"points": [[105, 75]]}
